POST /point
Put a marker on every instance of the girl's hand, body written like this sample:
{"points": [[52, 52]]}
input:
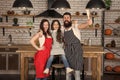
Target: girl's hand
{"points": [[41, 33]]}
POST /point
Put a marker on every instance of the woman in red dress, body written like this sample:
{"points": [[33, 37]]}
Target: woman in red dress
{"points": [[43, 50]]}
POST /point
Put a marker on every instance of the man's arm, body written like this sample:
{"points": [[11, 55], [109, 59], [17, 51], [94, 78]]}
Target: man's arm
{"points": [[84, 25]]}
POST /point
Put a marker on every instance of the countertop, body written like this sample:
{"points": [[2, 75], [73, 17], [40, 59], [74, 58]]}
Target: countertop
{"points": [[29, 48], [94, 52]]}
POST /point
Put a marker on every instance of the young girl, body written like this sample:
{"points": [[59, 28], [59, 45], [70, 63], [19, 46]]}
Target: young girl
{"points": [[43, 50], [57, 47]]}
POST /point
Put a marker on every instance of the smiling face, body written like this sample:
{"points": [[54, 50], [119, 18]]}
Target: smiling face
{"points": [[56, 25], [67, 21], [46, 26], [66, 18]]}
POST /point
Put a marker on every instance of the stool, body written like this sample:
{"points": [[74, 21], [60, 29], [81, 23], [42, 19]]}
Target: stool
{"points": [[57, 67]]}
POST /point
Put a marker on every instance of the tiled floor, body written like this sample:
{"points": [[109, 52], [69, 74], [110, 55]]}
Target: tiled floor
{"points": [[31, 77]]}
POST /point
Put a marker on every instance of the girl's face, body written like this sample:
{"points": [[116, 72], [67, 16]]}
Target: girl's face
{"points": [[46, 26], [55, 25]]}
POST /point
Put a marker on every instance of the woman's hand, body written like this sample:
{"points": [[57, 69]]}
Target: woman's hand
{"points": [[41, 48]]}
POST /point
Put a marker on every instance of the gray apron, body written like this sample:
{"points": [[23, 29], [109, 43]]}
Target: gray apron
{"points": [[73, 50]]}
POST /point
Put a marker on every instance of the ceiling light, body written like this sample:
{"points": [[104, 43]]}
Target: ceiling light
{"points": [[23, 3], [60, 4], [95, 4]]}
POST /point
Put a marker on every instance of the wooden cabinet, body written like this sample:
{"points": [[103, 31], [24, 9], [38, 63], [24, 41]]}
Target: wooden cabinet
{"points": [[13, 61], [31, 64], [114, 36], [9, 61], [2, 61]]}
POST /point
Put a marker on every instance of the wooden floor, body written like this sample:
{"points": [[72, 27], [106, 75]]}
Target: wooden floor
{"points": [[32, 77]]}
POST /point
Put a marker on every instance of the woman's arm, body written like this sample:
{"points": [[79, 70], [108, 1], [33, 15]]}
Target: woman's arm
{"points": [[34, 39]]}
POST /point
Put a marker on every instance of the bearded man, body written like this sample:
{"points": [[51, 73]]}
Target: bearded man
{"points": [[73, 49]]}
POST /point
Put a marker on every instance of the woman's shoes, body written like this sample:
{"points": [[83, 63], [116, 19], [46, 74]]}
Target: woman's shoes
{"points": [[68, 70]]}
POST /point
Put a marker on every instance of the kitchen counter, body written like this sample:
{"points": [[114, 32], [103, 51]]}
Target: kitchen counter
{"points": [[28, 48], [25, 47], [93, 52], [15, 45]]}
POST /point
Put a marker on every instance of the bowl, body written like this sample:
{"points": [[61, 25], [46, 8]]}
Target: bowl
{"points": [[26, 12]]}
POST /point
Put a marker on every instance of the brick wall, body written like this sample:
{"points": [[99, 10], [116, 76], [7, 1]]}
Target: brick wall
{"points": [[22, 37]]}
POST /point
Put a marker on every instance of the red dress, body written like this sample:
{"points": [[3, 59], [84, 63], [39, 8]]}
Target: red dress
{"points": [[41, 57]]}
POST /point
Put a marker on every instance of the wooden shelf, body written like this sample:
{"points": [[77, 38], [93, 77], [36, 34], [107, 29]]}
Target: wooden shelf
{"points": [[111, 23], [84, 16], [117, 49], [116, 59], [91, 28], [31, 15], [113, 10], [16, 26], [111, 72], [19, 15], [111, 36]]}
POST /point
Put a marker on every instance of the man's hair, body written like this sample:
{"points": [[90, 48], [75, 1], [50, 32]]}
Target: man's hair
{"points": [[67, 13]]}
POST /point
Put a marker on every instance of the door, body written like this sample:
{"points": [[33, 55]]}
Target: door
{"points": [[3, 61], [13, 61]]}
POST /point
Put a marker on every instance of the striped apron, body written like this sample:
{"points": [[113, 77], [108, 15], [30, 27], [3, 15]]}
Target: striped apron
{"points": [[73, 50]]}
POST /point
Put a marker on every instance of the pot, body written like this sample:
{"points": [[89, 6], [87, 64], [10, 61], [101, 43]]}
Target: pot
{"points": [[116, 31], [26, 12]]}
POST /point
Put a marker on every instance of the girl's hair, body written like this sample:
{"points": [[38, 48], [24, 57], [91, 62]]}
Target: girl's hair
{"points": [[41, 27], [59, 37]]}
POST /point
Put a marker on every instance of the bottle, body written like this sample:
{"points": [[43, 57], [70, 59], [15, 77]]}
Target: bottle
{"points": [[86, 42], [113, 44], [90, 42]]}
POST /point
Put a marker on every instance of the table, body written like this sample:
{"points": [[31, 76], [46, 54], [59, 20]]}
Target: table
{"points": [[93, 52]]}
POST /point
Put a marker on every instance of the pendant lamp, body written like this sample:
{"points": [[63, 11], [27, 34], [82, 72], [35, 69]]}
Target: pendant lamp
{"points": [[23, 3], [98, 4], [61, 4]]}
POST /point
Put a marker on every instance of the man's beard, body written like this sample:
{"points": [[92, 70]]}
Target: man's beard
{"points": [[67, 24]]}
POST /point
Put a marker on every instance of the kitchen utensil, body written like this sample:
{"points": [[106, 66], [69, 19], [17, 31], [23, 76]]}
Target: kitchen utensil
{"points": [[88, 13], [86, 42], [117, 20], [113, 43], [15, 21], [10, 12], [96, 28], [116, 31], [93, 13], [1, 19], [26, 12]]}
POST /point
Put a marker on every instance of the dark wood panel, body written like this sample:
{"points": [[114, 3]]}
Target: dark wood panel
{"points": [[2, 61], [86, 64], [13, 61]]}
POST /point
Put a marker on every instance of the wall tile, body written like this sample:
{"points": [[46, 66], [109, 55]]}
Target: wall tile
{"points": [[39, 7]]}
